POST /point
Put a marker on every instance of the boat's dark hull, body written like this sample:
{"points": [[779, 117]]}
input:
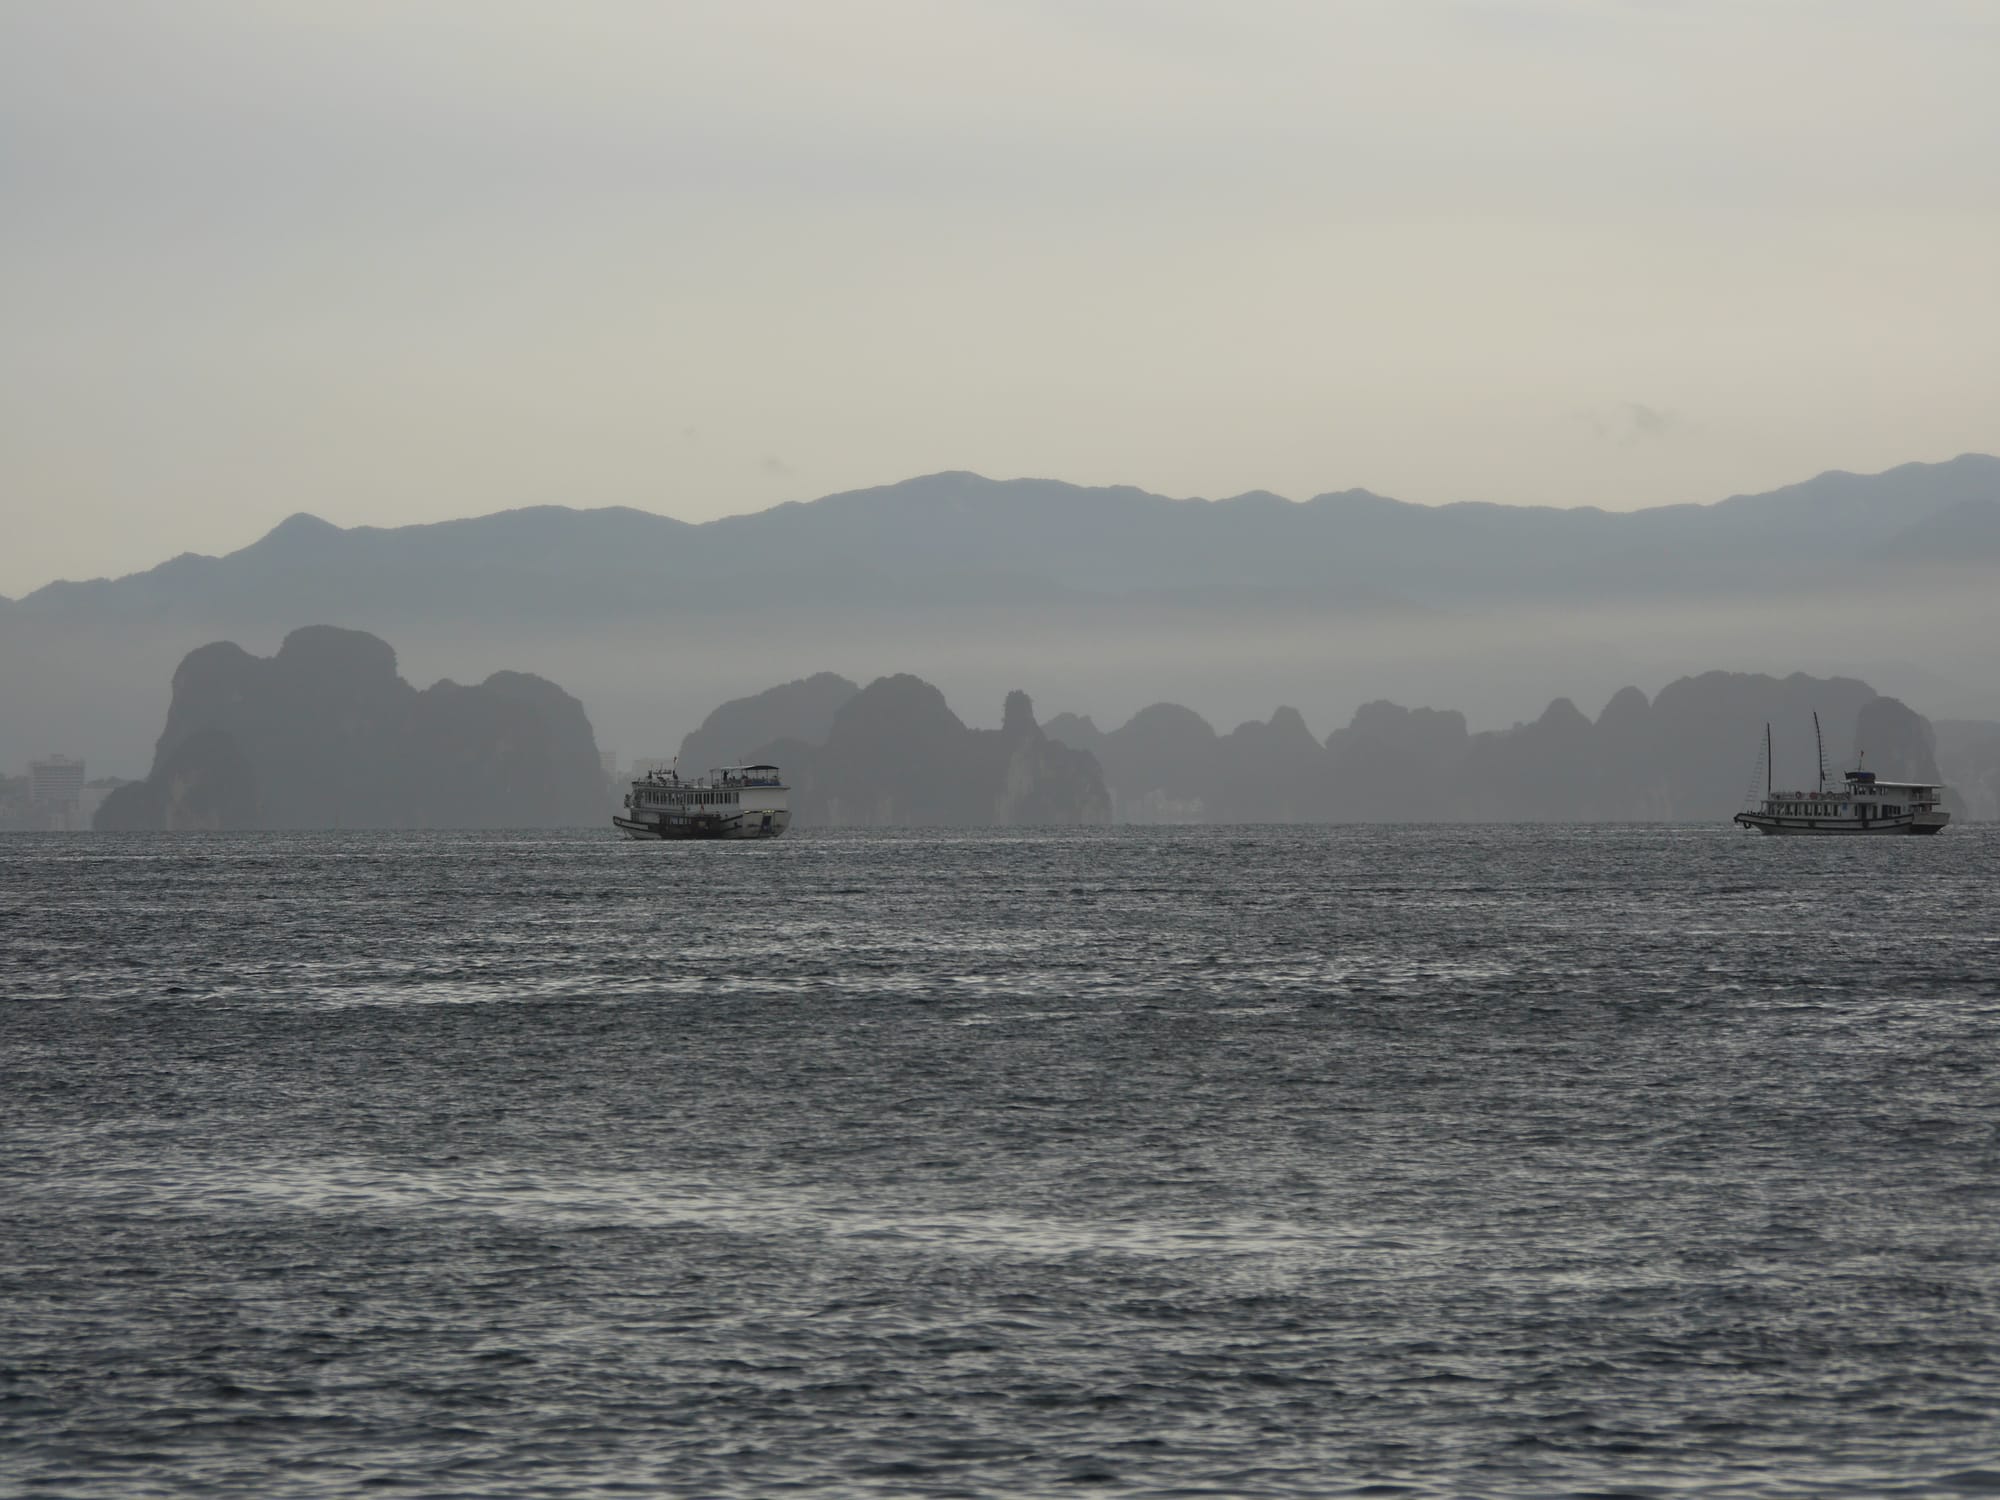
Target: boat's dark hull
{"points": [[736, 826], [1836, 827]]}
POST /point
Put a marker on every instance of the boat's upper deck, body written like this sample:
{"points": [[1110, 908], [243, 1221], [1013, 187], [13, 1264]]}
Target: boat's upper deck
{"points": [[731, 777], [1861, 791], [1866, 784]]}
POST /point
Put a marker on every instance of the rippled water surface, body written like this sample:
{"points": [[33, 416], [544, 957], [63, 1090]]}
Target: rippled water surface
{"points": [[1151, 1162]]}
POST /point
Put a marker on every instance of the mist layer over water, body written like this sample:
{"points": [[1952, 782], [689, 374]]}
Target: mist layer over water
{"points": [[1190, 1161]]}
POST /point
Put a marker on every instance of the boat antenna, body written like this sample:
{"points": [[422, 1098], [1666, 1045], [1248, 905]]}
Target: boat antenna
{"points": [[1820, 745]]}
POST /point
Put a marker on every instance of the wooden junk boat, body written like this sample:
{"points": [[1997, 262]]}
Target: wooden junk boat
{"points": [[1861, 803]]}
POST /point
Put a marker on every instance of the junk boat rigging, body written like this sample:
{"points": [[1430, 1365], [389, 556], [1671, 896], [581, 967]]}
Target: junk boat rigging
{"points": [[1862, 803]]}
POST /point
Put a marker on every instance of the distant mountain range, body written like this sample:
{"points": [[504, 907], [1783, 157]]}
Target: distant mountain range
{"points": [[327, 734], [1102, 597], [957, 539], [893, 753]]}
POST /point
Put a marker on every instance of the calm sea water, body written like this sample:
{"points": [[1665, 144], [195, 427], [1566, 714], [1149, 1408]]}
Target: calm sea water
{"points": [[1499, 1161]]}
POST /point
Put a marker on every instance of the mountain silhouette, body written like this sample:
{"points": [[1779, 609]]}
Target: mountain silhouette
{"points": [[325, 734], [1685, 755], [1222, 604], [895, 755], [802, 710], [960, 538]]}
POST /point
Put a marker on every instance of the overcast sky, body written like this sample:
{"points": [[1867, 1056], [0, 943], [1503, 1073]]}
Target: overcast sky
{"points": [[398, 261]]}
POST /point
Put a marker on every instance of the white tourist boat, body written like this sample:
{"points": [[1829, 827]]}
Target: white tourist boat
{"points": [[1861, 803], [734, 802]]}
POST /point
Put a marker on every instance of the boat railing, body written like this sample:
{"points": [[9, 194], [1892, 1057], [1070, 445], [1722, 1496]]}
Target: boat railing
{"points": [[712, 781]]}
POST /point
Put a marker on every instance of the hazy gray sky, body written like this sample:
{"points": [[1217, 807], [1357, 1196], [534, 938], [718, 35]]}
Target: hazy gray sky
{"points": [[400, 261]]}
